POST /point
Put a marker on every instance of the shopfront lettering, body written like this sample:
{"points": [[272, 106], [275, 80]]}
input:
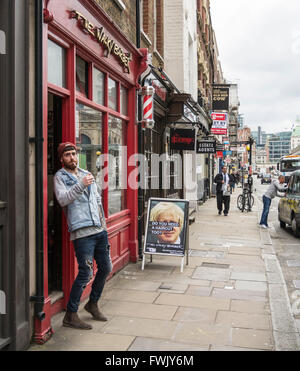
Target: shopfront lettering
{"points": [[98, 33], [178, 139]]}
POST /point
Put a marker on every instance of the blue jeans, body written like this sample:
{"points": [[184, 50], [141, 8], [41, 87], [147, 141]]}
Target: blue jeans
{"points": [[87, 249], [264, 218]]}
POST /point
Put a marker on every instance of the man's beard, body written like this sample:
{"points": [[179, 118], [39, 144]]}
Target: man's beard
{"points": [[70, 166]]}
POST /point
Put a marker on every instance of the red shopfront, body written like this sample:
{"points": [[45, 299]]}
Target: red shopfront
{"points": [[89, 97]]}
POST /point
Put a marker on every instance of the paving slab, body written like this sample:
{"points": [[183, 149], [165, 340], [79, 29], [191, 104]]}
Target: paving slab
{"points": [[139, 310], [244, 320], [245, 251], [248, 276], [193, 301], [131, 295], [247, 306], [255, 339], [240, 294], [123, 283], [186, 314], [251, 285], [202, 334], [149, 344], [141, 327], [213, 274]]}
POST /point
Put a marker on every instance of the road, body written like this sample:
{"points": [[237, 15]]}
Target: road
{"points": [[287, 248]]}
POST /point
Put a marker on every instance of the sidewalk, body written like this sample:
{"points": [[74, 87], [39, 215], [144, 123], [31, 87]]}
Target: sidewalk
{"points": [[219, 302]]}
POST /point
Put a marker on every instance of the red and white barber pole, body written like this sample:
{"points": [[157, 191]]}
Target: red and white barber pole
{"points": [[148, 116]]}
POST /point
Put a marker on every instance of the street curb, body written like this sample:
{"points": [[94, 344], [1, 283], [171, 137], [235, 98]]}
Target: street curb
{"points": [[285, 331]]}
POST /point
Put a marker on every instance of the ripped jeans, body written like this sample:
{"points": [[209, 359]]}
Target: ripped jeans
{"points": [[88, 248]]}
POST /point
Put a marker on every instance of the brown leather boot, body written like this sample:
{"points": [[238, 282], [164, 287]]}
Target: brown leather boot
{"points": [[72, 320], [93, 309]]}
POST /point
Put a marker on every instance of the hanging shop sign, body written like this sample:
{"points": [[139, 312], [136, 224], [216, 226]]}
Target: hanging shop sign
{"points": [[183, 139], [110, 45], [219, 126], [206, 146], [220, 97], [220, 147]]}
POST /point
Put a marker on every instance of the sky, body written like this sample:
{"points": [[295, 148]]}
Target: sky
{"points": [[259, 47]]}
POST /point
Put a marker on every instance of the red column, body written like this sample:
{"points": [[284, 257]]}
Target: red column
{"points": [[132, 194]]}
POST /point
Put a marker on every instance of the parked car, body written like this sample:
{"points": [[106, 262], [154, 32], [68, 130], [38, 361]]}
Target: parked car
{"points": [[266, 178], [289, 206]]}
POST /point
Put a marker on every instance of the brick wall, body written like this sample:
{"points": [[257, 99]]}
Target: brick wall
{"points": [[125, 20]]}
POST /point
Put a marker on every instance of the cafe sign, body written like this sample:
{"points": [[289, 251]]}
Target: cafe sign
{"points": [[98, 33]]}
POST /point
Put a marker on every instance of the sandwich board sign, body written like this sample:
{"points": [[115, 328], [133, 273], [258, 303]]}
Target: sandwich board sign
{"points": [[167, 228]]}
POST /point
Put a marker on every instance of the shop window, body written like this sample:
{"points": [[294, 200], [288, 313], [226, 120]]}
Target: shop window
{"points": [[117, 165], [56, 64], [89, 139], [112, 94], [124, 101], [81, 76], [98, 86]]}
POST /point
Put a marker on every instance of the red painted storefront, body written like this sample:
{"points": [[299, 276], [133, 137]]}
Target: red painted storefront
{"points": [[89, 97]]}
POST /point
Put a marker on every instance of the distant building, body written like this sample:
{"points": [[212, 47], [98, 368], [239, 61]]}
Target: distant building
{"points": [[260, 137], [295, 140], [279, 145]]}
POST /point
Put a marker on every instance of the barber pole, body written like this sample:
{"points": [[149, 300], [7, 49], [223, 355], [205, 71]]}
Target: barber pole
{"points": [[148, 119]]}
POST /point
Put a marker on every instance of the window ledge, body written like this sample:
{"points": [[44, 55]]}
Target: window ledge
{"points": [[120, 4], [160, 58], [146, 38]]}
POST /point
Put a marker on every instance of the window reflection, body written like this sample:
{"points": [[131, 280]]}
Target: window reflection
{"points": [[56, 64], [112, 94], [124, 101], [98, 86], [81, 76], [89, 139], [117, 165]]}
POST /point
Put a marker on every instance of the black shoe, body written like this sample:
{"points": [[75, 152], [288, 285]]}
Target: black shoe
{"points": [[220, 212], [225, 214]]}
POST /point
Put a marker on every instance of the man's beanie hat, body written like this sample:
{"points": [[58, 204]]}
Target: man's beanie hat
{"points": [[63, 147]]}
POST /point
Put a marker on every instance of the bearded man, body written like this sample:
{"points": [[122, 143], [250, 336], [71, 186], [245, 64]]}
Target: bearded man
{"points": [[77, 194]]}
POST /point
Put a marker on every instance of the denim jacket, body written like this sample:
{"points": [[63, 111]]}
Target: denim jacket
{"points": [[80, 203]]}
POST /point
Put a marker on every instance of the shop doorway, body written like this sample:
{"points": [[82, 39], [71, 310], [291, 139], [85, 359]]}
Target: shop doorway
{"points": [[54, 210]]}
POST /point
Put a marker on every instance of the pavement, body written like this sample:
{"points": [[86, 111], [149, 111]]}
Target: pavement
{"points": [[230, 297]]}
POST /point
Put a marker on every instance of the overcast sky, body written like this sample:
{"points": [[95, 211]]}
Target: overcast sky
{"points": [[259, 47]]}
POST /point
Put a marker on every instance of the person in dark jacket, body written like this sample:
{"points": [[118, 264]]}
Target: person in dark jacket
{"points": [[223, 191]]}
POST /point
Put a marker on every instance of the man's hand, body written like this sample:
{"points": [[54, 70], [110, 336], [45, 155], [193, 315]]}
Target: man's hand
{"points": [[88, 180]]}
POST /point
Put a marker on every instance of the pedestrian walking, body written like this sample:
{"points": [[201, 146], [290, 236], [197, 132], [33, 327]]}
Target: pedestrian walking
{"points": [[223, 191], [271, 193], [78, 195], [232, 182]]}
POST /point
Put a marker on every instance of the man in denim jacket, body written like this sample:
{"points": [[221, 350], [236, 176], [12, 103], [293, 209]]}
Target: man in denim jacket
{"points": [[77, 194]]}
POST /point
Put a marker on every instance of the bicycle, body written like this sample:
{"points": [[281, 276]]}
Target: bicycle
{"points": [[245, 201]]}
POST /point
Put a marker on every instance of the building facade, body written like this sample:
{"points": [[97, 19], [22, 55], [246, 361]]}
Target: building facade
{"points": [[279, 145]]}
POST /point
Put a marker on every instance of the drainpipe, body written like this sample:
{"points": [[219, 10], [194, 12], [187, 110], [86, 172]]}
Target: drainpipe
{"points": [[140, 133], [38, 140]]}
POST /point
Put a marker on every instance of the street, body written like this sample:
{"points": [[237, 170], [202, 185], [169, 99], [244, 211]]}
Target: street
{"points": [[287, 248], [230, 296]]}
